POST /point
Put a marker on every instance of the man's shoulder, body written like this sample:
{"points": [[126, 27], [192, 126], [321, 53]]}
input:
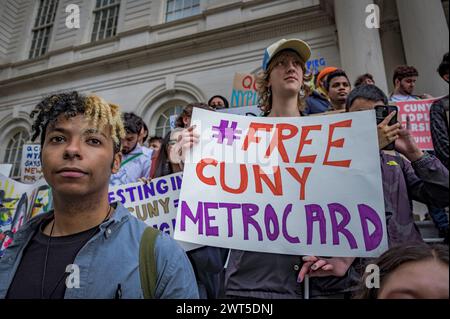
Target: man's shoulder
{"points": [[440, 104]]}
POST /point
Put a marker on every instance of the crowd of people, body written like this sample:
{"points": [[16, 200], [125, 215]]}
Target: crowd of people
{"points": [[88, 146]]}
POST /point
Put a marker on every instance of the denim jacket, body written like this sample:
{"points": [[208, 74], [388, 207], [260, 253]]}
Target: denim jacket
{"points": [[110, 258]]}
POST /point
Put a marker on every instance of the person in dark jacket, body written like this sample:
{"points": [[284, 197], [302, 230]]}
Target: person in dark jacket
{"points": [[439, 120], [407, 173]]}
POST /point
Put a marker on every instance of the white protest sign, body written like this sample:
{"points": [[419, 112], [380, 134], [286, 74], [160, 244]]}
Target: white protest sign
{"points": [[298, 185], [30, 168], [173, 121], [154, 203]]}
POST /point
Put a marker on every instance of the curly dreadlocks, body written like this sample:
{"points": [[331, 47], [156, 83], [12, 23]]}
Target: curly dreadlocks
{"points": [[73, 103]]}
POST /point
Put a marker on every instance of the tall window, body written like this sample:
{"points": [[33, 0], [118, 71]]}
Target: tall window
{"points": [[163, 124], [105, 23], [177, 9], [43, 27], [13, 153]]}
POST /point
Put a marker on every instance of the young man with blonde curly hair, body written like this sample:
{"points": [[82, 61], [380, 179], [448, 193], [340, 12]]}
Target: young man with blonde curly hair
{"points": [[85, 247]]}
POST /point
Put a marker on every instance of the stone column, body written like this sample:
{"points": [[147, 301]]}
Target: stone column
{"points": [[360, 46], [425, 38]]}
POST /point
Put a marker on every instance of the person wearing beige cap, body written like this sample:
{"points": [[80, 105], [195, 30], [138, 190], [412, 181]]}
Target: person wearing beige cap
{"points": [[263, 275]]}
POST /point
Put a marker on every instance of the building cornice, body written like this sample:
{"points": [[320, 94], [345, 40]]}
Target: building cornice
{"points": [[262, 28]]}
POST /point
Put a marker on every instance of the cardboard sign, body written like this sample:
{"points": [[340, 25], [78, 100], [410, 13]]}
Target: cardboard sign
{"points": [[30, 168], [244, 90], [297, 185], [419, 116]]}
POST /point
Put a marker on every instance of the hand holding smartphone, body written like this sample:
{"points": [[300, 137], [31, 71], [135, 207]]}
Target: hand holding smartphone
{"points": [[381, 112]]}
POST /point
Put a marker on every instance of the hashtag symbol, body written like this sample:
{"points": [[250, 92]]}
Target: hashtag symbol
{"points": [[226, 133]]}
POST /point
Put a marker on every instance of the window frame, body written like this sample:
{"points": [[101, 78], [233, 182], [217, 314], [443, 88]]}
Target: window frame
{"points": [[18, 143], [101, 11], [36, 42], [182, 10]]}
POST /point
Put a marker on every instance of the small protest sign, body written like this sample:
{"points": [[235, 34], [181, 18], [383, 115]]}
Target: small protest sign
{"points": [[418, 112], [30, 167]]}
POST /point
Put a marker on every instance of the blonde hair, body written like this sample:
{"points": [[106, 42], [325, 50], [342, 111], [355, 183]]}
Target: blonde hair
{"points": [[262, 85], [69, 104], [104, 114]]}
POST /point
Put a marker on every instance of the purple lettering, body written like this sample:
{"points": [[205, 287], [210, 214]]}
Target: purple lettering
{"points": [[248, 210], [373, 240], [130, 190], [164, 226], [340, 227], [270, 217], [149, 190], [186, 212], [292, 240], [210, 231], [120, 194], [230, 207], [314, 213], [161, 186]]}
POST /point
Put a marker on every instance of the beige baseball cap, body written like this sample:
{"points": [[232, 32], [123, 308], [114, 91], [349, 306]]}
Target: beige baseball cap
{"points": [[297, 45]]}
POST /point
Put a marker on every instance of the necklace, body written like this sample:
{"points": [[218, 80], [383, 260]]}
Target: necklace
{"points": [[64, 275]]}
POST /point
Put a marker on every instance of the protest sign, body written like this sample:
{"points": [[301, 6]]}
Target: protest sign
{"points": [[173, 121], [313, 65], [298, 185], [418, 112], [244, 90], [154, 203], [30, 168], [18, 203]]}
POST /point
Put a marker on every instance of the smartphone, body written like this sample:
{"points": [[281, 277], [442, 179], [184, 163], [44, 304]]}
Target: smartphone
{"points": [[381, 112]]}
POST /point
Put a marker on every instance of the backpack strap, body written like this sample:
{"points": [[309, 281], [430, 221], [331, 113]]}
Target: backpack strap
{"points": [[147, 262]]}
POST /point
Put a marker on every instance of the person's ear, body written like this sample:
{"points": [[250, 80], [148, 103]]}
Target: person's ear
{"points": [[397, 83], [446, 77], [117, 160]]}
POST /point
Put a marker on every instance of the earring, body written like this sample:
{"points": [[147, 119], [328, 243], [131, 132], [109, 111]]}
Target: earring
{"points": [[302, 93]]}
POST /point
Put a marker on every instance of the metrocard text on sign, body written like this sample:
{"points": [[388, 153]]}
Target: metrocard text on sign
{"points": [[300, 186]]}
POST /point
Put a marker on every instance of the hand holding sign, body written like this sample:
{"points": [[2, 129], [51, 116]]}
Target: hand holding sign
{"points": [[323, 267], [186, 141]]}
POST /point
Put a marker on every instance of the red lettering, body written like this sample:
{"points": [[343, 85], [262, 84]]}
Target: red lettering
{"points": [[243, 183], [303, 141], [277, 188], [254, 127], [201, 166], [337, 143], [278, 138], [301, 179], [245, 83]]}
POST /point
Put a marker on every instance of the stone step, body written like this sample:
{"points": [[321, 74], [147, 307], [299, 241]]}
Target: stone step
{"points": [[427, 229]]}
